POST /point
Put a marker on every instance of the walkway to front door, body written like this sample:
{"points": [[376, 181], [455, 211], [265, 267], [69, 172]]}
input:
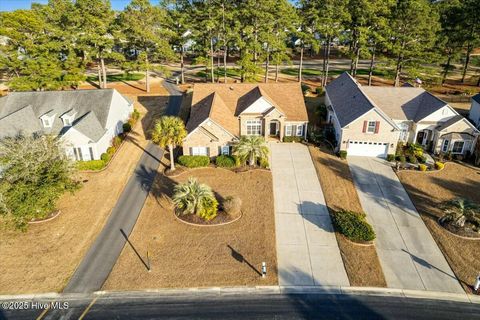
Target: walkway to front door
{"points": [[307, 250]]}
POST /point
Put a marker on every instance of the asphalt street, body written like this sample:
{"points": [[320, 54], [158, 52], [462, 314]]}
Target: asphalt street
{"points": [[253, 306], [102, 255]]}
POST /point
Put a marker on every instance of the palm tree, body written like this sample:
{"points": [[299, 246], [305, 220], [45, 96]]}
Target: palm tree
{"points": [[251, 148], [197, 198], [169, 131], [459, 211]]}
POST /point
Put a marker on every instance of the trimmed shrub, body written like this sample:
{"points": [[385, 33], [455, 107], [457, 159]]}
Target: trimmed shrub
{"points": [[226, 161], [402, 159], [127, 127], [111, 151], [135, 114], [411, 159], [342, 154], [264, 163], [353, 225], [91, 165], [422, 167], [105, 157], [232, 205], [209, 208], [238, 161], [292, 139], [421, 159], [390, 157], [117, 141], [439, 165], [319, 90], [194, 161]]}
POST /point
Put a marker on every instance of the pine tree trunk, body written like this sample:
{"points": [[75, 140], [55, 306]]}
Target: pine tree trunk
{"points": [[301, 64], [104, 73], [225, 51], [372, 62], [324, 64], [467, 61], [445, 71], [398, 70], [327, 62], [147, 77], [478, 82], [212, 72], [100, 81], [276, 72], [267, 64], [182, 67], [172, 160], [355, 64]]}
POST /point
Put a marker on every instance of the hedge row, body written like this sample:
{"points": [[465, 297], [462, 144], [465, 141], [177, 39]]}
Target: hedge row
{"points": [[292, 139], [353, 225], [227, 161], [92, 165], [194, 161]]}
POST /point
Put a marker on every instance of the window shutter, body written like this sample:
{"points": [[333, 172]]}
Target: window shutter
{"points": [[191, 151], [377, 126], [365, 123], [208, 151]]}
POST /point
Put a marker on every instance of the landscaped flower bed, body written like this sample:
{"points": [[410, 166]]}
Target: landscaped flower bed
{"points": [[462, 218]]}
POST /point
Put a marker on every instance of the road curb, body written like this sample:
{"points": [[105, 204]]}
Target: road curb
{"points": [[260, 290]]}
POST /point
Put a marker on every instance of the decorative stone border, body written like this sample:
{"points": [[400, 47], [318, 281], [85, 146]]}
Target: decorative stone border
{"points": [[456, 235], [46, 219], [367, 244], [416, 170], [209, 225]]}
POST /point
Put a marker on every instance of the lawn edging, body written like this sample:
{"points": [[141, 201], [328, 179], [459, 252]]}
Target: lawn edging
{"points": [[209, 225], [456, 235], [46, 219]]}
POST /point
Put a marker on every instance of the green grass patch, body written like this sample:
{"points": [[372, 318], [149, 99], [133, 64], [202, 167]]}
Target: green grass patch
{"points": [[231, 72], [305, 72], [119, 77]]}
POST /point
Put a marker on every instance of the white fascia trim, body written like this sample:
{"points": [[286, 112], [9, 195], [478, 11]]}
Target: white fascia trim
{"points": [[393, 124], [274, 108], [208, 119], [447, 105]]}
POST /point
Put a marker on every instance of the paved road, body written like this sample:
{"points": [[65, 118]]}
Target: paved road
{"points": [[255, 306], [102, 255], [409, 256], [307, 250]]}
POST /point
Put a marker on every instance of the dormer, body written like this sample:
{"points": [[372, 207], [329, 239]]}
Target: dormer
{"points": [[48, 119], [68, 117]]}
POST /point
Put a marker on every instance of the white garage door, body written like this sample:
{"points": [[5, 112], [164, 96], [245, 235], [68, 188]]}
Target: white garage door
{"points": [[367, 149]]}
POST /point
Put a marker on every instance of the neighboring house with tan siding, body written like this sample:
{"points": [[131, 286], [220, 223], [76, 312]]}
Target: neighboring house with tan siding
{"points": [[370, 121], [221, 113]]}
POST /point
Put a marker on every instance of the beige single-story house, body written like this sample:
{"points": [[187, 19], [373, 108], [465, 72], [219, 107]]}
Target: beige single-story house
{"points": [[370, 121], [221, 113]]}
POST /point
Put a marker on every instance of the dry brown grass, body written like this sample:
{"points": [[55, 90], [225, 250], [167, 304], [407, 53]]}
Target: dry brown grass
{"points": [[189, 256], [427, 191], [45, 256], [361, 262]]}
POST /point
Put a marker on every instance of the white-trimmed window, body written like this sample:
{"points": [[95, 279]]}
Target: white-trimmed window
{"points": [[288, 130], [458, 147], [371, 126], [199, 151], [254, 127], [46, 122], [225, 150], [445, 145], [300, 131]]}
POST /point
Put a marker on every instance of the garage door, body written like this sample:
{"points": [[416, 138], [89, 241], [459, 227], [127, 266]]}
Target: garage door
{"points": [[367, 149]]}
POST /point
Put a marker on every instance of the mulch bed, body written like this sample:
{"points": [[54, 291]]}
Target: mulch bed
{"points": [[466, 231]]}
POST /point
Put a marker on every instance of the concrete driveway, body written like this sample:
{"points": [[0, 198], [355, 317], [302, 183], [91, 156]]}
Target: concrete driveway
{"points": [[307, 249], [408, 254]]}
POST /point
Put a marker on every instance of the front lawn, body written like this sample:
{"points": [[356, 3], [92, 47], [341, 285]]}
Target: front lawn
{"points": [[193, 256], [361, 262], [427, 192], [119, 77]]}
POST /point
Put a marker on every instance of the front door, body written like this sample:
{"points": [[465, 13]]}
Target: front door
{"points": [[273, 128], [420, 137]]}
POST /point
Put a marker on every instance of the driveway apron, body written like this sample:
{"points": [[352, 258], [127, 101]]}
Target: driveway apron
{"points": [[307, 250], [409, 256]]}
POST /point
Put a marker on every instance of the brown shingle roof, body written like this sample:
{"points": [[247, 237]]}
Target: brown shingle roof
{"points": [[222, 103]]}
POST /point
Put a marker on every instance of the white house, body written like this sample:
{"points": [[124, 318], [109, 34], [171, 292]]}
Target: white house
{"points": [[86, 120], [370, 121], [474, 114]]}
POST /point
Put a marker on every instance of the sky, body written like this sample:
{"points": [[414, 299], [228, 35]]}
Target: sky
{"points": [[10, 5]]}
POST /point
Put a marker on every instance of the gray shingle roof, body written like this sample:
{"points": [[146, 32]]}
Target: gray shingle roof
{"points": [[347, 99], [351, 100], [21, 111], [476, 97]]}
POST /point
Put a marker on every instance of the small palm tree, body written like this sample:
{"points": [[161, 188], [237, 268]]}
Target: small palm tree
{"points": [[197, 198], [459, 211], [251, 148], [169, 131]]}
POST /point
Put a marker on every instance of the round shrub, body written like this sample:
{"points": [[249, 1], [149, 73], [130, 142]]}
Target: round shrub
{"points": [[117, 141], [412, 159], [390, 157], [342, 154], [353, 226], [421, 159], [194, 161], [209, 208], [422, 167], [105, 157], [232, 205], [402, 159], [225, 161], [127, 127], [439, 165]]}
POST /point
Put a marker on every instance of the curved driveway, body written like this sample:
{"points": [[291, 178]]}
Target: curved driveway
{"points": [[307, 250]]}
